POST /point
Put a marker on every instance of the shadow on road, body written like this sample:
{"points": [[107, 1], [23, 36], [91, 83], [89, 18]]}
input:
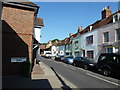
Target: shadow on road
{"points": [[65, 87]]}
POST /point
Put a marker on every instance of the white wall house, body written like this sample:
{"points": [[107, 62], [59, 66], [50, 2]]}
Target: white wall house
{"points": [[61, 49], [54, 50], [37, 35], [89, 44], [76, 46]]}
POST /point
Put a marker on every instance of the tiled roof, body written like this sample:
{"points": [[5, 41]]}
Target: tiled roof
{"points": [[42, 46], [22, 2], [99, 23], [39, 22]]}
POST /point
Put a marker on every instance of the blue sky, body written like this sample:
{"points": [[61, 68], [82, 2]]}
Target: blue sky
{"points": [[62, 18]]}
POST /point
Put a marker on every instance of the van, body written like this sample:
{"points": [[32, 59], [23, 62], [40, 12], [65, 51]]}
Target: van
{"points": [[109, 63]]}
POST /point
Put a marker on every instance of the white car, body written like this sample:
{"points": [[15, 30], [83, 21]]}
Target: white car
{"points": [[48, 55]]}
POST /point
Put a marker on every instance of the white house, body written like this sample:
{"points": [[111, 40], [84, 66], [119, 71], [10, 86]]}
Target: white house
{"points": [[37, 35]]}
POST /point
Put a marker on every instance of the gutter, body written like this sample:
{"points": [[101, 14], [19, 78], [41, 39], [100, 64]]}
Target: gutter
{"points": [[35, 8]]}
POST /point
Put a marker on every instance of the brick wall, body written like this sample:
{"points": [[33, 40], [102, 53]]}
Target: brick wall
{"points": [[17, 31]]}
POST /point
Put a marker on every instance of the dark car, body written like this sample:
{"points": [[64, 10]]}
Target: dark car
{"points": [[84, 63], [109, 63], [69, 59], [59, 57]]}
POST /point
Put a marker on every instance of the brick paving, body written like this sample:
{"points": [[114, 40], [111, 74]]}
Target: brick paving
{"points": [[37, 69]]}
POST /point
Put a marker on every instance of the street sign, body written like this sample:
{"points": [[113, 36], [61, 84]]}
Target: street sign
{"points": [[18, 59]]}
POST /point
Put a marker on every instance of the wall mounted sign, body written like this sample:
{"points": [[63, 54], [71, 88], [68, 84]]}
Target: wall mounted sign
{"points": [[18, 59]]}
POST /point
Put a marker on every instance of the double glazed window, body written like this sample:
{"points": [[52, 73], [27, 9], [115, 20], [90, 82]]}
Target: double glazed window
{"points": [[90, 54], [116, 17], [89, 39], [106, 36], [109, 50], [118, 34], [76, 44]]}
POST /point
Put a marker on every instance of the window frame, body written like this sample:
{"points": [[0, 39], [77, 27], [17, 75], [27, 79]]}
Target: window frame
{"points": [[105, 38], [92, 54], [88, 41], [116, 35]]}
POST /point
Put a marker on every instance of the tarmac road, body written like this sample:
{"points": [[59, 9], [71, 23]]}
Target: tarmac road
{"points": [[81, 78]]}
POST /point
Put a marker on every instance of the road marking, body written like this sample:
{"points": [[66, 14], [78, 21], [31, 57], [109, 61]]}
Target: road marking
{"points": [[102, 79]]}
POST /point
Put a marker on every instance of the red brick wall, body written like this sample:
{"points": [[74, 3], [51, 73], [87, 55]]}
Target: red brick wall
{"points": [[17, 31]]}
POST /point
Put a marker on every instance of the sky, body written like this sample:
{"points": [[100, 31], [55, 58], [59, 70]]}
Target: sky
{"points": [[62, 18]]}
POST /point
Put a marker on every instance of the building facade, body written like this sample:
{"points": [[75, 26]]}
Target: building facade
{"points": [[103, 36], [17, 35]]}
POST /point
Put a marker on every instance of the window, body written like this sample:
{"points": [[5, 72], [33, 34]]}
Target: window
{"points": [[76, 44], [106, 37], [109, 50], [90, 54], [117, 49], [89, 39], [77, 54], [116, 17], [118, 34], [68, 47]]}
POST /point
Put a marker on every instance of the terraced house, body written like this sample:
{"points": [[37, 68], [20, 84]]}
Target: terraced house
{"points": [[103, 36]]}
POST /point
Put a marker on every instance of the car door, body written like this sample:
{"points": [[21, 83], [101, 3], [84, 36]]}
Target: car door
{"points": [[116, 64], [79, 61], [76, 61]]}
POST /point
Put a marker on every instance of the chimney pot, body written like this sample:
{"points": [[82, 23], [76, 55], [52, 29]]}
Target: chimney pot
{"points": [[70, 34], [106, 12], [79, 28], [108, 7]]}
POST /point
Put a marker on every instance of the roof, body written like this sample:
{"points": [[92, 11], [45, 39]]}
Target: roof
{"points": [[39, 22], [42, 46], [22, 2], [99, 23]]}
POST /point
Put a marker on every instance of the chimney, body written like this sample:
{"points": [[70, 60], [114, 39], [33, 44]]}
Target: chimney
{"points": [[79, 29], [106, 12], [70, 34]]}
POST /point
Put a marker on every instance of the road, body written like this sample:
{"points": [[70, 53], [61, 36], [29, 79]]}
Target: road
{"points": [[81, 78]]}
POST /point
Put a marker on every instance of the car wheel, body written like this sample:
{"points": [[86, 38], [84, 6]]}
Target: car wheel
{"points": [[85, 67], [74, 64], [106, 72]]}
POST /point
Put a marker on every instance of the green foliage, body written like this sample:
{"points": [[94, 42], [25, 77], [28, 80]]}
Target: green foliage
{"points": [[54, 40]]}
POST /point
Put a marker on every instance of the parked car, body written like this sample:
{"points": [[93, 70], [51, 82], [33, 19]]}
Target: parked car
{"points": [[68, 59], [84, 63], [59, 57], [47, 55], [109, 63]]}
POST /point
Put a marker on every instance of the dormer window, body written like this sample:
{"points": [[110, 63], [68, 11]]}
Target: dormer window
{"points": [[116, 17]]}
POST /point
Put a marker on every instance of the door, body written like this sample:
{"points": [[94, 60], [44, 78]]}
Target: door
{"points": [[83, 53]]}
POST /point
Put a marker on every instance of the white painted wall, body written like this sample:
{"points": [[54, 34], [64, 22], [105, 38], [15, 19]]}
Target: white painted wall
{"points": [[54, 50], [89, 47], [37, 33], [61, 50]]}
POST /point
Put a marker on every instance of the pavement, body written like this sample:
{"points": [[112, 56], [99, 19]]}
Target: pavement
{"points": [[42, 77], [42, 71]]}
